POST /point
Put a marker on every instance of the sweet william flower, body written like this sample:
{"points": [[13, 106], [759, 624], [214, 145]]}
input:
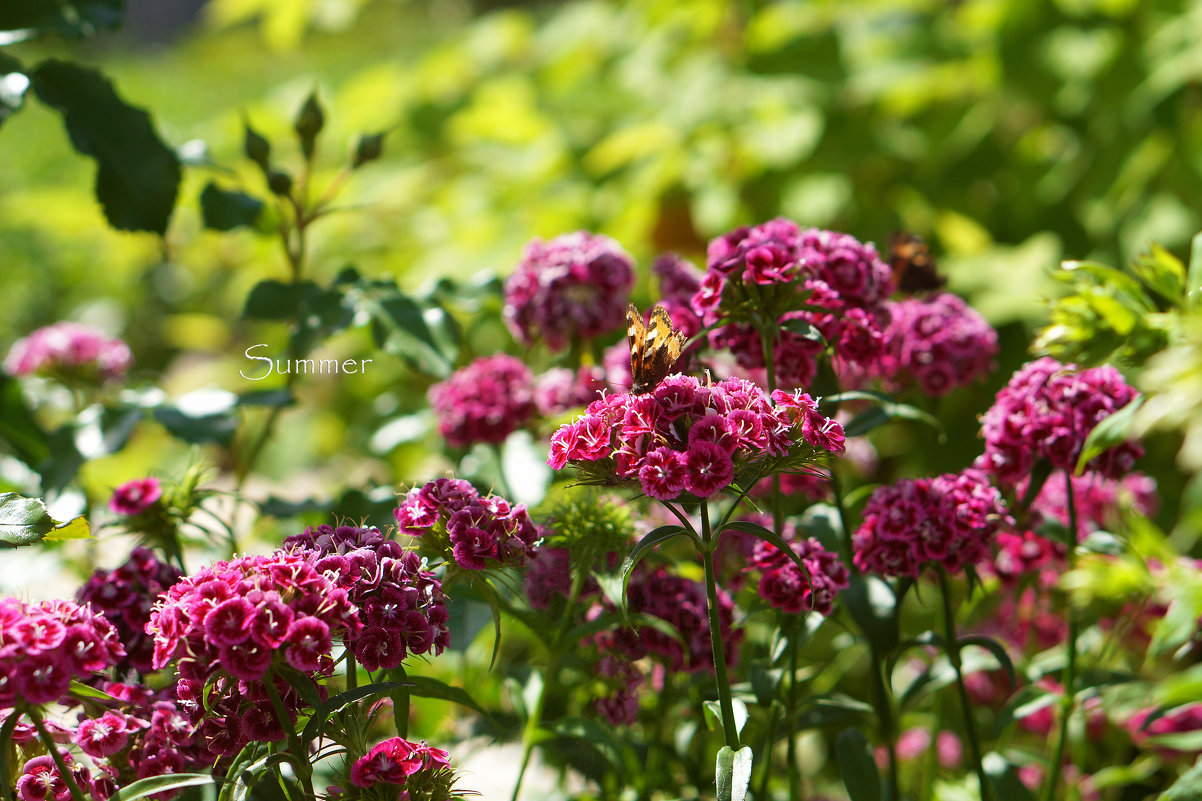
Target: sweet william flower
{"points": [[69, 350], [484, 402]]}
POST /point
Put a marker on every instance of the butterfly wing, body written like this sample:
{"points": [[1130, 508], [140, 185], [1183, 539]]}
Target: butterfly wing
{"points": [[912, 262], [636, 334], [661, 347]]}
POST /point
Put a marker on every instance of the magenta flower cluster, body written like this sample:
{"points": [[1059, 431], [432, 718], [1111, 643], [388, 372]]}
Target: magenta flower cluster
{"points": [[125, 596], [949, 520], [135, 497], [1046, 412], [481, 530], [484, 402], [841, 280], [686, 436], [575, 286], [415, 771], [69, 349], [785, 587], [560, 389], [40, 779], [401, 605], [938, 343], [44, 646]]}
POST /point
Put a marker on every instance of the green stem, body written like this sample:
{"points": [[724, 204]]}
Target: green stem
{"points": [[709, 542], [791, 713], [352, 671], [766, 750], [884, 713], [6, 733], [300, 757], [60, 763], [400, 704], [550, 677], [951, 645], [502, 484], [1070, 667]]}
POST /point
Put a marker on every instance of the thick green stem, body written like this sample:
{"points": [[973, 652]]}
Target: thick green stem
{"points": [[791, 713], [60, 763], [951, 644], [1070, 668], [300, 756], [709, 542]]}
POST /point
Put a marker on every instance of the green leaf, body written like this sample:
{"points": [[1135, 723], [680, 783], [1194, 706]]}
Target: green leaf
{"points": [[83, 691], [644, 546], [236, 790], [872, 605], [831, 709], [1004, 778], [256, 147], [225, 210], [713, 714], [1112, 431], [427, 687], [18, 427], [337, 702], [309, 122], [137, 176], [275, 300], [999, 653], [218, 427], [24, 521], [857, 766], [1188, 786], [73, 18], [732, 774], [369, 148], [159, 784], [1163, 272], [883, 411], [770, 536], [399, 327]]}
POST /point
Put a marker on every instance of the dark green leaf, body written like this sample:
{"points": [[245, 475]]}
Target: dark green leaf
{"points": [[873, 606], [400, 328], [279, 182], [83, 691], [1111, 431], [732, 774], [369, 148], [857, 766], [198, 429], [225, 210], [882, 412], [137, 175], [834, 709], [18, 427], [999, 653], [24, 521], [256, 147], [271, 398], [309, 122], [644, 546], [426, 687], [274, 300], [74, 18], [770, 536]]}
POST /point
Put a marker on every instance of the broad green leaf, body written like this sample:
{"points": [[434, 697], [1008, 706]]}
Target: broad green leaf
{"points": [[24, 521], [74, 529], [833, 709], [732, 773], [137, 176], [857, 767], [713, 714], [159, 784], [197, 429], [399, 326], [227, 209], [275, 300], [256, 147], [18, 427], [872, 605], [644, 546], [1163, 272], [1112, 431]]}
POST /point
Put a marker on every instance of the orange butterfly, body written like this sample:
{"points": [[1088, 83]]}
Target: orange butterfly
{"points": [[653, 349], [913, 264]]}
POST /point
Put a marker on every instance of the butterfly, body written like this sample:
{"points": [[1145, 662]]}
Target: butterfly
{"points": [[653, 349], [913, 264]]}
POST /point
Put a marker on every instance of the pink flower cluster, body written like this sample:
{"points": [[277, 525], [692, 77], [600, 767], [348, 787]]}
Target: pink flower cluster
{"points": [[560, 389], [125, 596], [69, 349], [484, 402], [1046, 412], [481, 531], [401, 605], [938, 343], [44, 646], [423, 773], [1023, 554], [688, 436], [40, 780], [784, 586], [842, 280], [135, 497], [575, 286], [548, 577], [950, 519]]}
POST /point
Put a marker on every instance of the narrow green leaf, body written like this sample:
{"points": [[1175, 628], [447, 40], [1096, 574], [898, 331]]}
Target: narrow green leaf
{"points": [[644, 546], [771, 537], [336, 702], [83, 691], [883, 411], [369, 148], [713, 714], [427, 687], [1110, 432], [857, 766], [1188, 786], [999, 653], [137, 176], [159, 784]]}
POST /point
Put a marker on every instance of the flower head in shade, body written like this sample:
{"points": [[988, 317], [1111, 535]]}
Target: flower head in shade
{"points": [[950, 520], [411, 771], [44, 646], [784, 586], [573, 286], [686, 436], [818, 286], [1046, 412], [938, 343], [560, 389], [401, 604], [474, 531], [135, 497], [1100, 501], [125, 596], [484, 402], [69, 350]]}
